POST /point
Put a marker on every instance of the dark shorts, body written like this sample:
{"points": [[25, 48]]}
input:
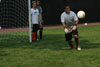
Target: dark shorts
{"points": [[70, 35], [35, 28]]}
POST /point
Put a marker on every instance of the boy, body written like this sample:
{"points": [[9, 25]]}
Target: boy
{"points": [[41, 19], [70, 21], [35, 20]]}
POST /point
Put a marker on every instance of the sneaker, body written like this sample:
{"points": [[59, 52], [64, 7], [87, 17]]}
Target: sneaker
{"points": [[79, 49]]}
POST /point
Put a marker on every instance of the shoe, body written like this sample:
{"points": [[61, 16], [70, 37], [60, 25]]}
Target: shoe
{"points": [[79, 49]]}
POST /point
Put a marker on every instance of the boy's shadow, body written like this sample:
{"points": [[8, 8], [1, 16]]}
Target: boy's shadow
{"points": [[86, 44], [51, 41], [2, 53]]}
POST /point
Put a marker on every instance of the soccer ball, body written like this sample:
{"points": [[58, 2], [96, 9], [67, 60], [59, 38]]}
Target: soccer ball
{"points": [[81, 14]]}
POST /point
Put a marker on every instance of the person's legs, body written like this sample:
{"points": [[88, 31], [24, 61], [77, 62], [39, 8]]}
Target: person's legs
{"points": [[71, 44], [34, 32], [76, 40], [41, 33], [37, 28], [76, 37], [69, 39]]}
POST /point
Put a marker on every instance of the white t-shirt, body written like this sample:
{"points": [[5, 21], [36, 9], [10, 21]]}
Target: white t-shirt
{"points": [[35, 16], [69, 19]]}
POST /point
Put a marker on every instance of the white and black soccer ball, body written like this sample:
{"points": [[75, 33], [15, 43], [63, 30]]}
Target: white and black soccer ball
{"points": [[81, 14]]}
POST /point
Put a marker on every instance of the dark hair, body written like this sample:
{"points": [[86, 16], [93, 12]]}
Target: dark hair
{"points": [[67, 5]]}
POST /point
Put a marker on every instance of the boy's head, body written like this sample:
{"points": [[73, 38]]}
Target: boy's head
{"points": [[67, 8], [38, 2], [34, 5]]}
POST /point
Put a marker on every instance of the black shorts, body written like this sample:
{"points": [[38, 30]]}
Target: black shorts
{"points": [[35, 28], [69, 36]]}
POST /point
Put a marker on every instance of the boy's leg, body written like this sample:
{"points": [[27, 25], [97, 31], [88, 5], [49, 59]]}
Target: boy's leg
{"points": [[69, 39], [71, 44], [41, 33], [76, 40], [33, 33], [76, 37], [37, 28]]}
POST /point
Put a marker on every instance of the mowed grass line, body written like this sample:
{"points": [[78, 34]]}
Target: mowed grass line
{"points": [[53, 51]]}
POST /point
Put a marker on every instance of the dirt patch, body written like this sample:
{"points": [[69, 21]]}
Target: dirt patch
{"points": [[2, 31]]}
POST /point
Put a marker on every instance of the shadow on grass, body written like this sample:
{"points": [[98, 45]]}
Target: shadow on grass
{"points": [[86, 44], [2, 53], [51, 41]]}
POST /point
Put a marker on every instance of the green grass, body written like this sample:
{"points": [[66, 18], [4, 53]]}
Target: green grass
{"points": [[53, 51]]}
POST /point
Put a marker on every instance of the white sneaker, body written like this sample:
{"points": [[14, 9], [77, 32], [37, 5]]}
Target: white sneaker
{"points": [[79, 49]]}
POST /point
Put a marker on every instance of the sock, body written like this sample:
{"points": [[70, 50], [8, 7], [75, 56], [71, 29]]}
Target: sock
{"points": [[71, 45], [77, 42], [33, 36]]}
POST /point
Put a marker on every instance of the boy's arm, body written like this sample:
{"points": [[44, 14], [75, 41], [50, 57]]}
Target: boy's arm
{"points": [[39, 19], [63, 21], [63, 24]]}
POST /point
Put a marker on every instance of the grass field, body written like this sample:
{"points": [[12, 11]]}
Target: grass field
{"points": [[53, 51]]}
